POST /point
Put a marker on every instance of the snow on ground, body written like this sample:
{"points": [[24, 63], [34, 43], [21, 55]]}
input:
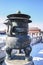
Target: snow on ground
{"points": [[41, 52], [37, 58]]}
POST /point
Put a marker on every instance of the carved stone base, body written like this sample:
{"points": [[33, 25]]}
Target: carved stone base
{"points": [[19, 60]]}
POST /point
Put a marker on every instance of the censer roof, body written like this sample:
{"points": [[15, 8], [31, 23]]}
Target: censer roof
{"points": [[19, 16]]}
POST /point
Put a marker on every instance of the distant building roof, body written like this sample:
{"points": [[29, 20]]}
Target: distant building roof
{"points": [[34, 29]]}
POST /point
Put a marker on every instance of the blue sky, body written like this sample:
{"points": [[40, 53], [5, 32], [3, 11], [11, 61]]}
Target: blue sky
{"points": [[34, 8]]}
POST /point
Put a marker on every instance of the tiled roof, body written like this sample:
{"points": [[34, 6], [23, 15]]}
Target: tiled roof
{"points": [[34, 29]]}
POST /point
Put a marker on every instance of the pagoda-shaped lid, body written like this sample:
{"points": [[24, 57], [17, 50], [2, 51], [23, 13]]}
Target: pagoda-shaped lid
{"points": [[19, 16]]}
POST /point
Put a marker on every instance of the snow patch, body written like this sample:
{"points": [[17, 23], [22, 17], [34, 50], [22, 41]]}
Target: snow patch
{"points": [[37, 58], [41, 52]]}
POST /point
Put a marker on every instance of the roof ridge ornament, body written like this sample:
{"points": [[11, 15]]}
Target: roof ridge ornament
{"points": [[18, 12]]}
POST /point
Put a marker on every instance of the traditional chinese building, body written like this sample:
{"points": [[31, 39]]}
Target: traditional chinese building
{"points": [[34, 31], [42, 35]]}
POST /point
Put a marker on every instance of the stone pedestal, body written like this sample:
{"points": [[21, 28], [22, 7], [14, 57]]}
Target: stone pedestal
{"points": [[19, 60]]}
